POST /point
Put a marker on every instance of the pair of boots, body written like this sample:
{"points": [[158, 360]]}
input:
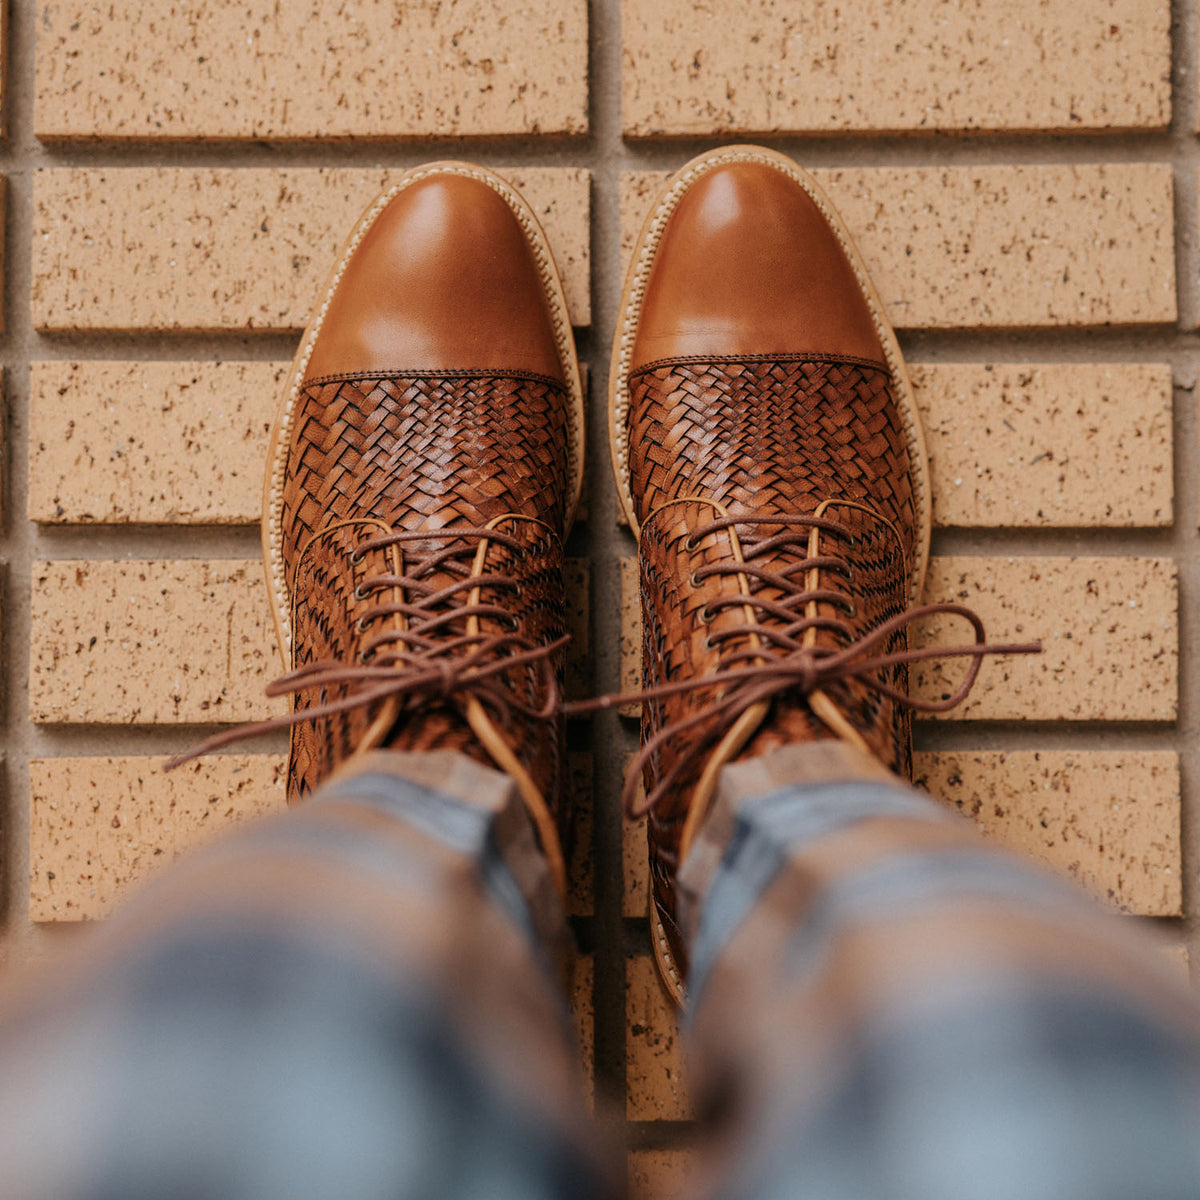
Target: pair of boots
{"points": [[426, 464]]}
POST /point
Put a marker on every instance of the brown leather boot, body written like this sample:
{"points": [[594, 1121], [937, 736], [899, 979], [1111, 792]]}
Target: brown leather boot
{"points": [[769, 454], [423, 471]]}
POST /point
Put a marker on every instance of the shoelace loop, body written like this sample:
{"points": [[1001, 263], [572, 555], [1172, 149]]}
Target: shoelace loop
{"points": [[432, 657], [781, 663]]}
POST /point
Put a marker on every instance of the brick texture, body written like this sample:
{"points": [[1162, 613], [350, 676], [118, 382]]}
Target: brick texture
{"points": [[1108, 819], [656, 1089], [254, 69], [1108, 627], [143, 643], [1052, 445], [150, 442], [891, 65], [99, 826], [188, 249], [1000, 246]]}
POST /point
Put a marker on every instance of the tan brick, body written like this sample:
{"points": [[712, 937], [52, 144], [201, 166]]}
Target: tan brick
{"points": [[1108, 628], [662, 1174], [583, 972], [1000, 246], [581, 870], [150, 442], [1048, 445], [631, 633], [98, 826], [1108, 819], [635, 862], [142, 643], [655, 1088], [228, 69], [891, 65], [578, 667], [244, 249]]}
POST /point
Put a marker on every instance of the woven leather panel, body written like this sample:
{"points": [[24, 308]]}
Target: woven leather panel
{"points": [[436, 449], [408, 452], [763, 436], [772, 434]]}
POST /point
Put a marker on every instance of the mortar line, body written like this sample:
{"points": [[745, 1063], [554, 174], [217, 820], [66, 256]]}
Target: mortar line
{"points": [[604, 51], [16, 341], [954, 147], [1185, 79]]}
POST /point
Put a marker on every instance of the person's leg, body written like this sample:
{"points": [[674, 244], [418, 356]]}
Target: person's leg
{"points": [[356, 999], [882, 1005]]}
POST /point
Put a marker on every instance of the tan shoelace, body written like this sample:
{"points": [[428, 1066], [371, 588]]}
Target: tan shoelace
{"points": [[436, 657], [783, 662]]}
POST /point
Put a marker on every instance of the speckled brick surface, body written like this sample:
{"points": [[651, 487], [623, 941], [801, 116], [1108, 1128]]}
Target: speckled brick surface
{"points": [[766, 66], [255, 69], [994, 247], [100, 826], [1108, 628], [656, 1089], [150, 443], [143, 643], [1109, 819], [1055, 445], [215, 249]]}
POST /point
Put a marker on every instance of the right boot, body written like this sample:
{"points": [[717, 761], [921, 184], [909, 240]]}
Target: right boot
{"points": [[769, 455]]}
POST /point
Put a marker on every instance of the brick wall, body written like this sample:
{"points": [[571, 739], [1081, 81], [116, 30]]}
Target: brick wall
{"points": [[1022, 180]]}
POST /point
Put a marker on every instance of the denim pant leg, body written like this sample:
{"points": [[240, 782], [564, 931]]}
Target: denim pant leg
{"points": [[355, 999], [884, 1006]]}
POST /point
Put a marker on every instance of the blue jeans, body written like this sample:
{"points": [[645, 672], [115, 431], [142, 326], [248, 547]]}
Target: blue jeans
{"points": [[360, 998]]}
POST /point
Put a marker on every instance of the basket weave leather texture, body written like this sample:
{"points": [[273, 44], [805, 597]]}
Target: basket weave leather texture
{"points": [[764, 436], [372, 454]]}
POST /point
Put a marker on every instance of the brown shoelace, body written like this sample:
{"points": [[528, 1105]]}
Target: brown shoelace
{"points": [[751, 674], [434, 658]]}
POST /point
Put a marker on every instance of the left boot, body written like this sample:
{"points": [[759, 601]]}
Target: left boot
{"points": [[424, 469]]}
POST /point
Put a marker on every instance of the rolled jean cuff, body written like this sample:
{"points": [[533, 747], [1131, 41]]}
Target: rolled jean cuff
{"points": [[747, 846]]}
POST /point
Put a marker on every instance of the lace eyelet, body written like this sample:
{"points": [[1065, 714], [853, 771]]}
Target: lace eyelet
{"points": [[355, 557], [706, 615], [694, 580], [709, 644], [360, 592], [360, 625], [512, 623], [689, 543]]}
